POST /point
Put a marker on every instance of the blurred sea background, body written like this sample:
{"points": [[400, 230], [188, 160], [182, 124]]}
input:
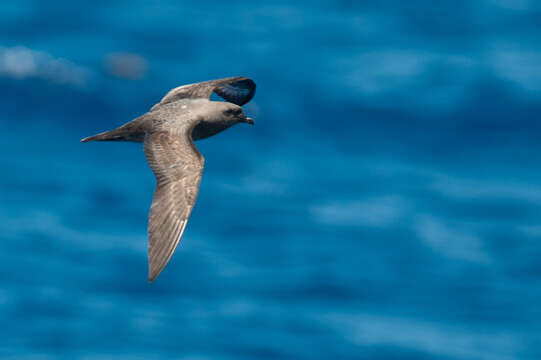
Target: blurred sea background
{"points": [[386, 204]]}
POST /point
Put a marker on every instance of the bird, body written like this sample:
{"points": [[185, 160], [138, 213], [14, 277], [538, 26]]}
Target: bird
{"points": [[168, 131]]}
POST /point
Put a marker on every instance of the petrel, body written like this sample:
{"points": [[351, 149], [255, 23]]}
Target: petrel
{"points": [[167, 132]]}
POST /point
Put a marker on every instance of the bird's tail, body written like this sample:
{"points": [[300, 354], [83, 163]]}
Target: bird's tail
{"points": [[132, 131], [104, 136]]}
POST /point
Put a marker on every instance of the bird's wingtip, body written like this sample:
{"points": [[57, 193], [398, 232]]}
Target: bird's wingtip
{"points": [[152, 276]]}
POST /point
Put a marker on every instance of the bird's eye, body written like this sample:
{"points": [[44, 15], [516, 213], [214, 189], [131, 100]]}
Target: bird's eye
{"points": [[232, 112]]}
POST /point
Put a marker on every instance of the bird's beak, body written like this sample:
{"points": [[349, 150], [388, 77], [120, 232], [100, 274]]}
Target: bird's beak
{"points": [[247, 120]]}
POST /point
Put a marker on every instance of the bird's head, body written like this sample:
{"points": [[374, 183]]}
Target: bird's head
{"points": [[228, 114], [216, 116]]}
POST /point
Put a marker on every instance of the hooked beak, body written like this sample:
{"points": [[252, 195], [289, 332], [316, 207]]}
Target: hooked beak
{"points": [[247, 120]]}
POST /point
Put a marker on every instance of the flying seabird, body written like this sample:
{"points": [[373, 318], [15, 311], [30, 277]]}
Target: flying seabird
{"points": [[167, 132]]}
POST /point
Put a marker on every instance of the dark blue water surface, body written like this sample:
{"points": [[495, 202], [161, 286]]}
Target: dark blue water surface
{"points": [[386, 205]]}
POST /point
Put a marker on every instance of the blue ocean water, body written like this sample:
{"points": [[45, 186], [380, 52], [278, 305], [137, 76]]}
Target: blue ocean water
{"points": [[386, 205]]}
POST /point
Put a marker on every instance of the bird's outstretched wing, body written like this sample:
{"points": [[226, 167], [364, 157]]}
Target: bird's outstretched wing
{"points": [[178, 166], [237, 90]]}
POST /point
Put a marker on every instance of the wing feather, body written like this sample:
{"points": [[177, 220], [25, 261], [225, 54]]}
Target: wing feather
{"points": [[178, 167], [237, 90]]}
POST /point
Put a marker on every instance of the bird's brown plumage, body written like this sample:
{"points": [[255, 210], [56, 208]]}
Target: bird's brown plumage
{"points": [[178, 167], [167, 135]]}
